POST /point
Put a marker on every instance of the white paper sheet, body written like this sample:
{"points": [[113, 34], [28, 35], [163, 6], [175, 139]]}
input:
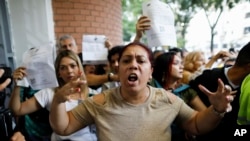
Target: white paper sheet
{"points": [[39, 63], [24, 82], [94, 50], [162, 32]]}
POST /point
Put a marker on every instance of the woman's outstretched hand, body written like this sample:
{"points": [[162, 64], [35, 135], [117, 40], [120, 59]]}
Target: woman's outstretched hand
{"points": [[72, 90], [220, 99]]}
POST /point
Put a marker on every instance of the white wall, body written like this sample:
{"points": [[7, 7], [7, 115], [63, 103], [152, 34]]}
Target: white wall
{"points": [[31, 25]]}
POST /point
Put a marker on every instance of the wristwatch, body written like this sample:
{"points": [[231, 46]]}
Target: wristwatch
{"points": [[110, 76]]}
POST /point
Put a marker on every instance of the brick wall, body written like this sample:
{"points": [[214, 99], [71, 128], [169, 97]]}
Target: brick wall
{"points": [[78, 17]]}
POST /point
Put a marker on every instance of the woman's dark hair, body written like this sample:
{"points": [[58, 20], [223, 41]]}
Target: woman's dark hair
{"points": [[114, 50], [99, 69], [146, 48], [162, 67], [176, 49]]}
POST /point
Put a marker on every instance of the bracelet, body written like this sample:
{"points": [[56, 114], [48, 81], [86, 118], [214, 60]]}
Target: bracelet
{"points": [[109, 76], [220, 114]]}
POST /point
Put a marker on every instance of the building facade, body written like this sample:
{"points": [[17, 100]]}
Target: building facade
{"points": [[30, 23]]}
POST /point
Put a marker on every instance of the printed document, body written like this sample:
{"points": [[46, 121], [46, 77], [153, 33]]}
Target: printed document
{"points": [[39, 63], [94, 50], [162, 31]]}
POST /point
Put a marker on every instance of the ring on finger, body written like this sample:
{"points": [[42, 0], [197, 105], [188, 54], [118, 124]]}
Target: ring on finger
{"points": [[228, 88]]}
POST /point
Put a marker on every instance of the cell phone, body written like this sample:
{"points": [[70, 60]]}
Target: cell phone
{"points": [[7, 74]]}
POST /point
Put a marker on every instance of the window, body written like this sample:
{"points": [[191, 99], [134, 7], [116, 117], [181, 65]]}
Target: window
{"points": [[247, 15], [224, 46], [247, 30]]}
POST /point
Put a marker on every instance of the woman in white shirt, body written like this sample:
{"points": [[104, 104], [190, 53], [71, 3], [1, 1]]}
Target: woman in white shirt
{"points": [[68, 67]]}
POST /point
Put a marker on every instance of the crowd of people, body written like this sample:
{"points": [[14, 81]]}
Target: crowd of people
{"points": [[168, 95]]}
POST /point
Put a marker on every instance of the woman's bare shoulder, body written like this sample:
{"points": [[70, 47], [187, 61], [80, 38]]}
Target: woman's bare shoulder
{"points": [[99, 99]]}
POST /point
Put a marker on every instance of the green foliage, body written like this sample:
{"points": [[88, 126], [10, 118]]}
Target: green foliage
{"points": [[132, 9], [184, 11], [216, 4]]}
